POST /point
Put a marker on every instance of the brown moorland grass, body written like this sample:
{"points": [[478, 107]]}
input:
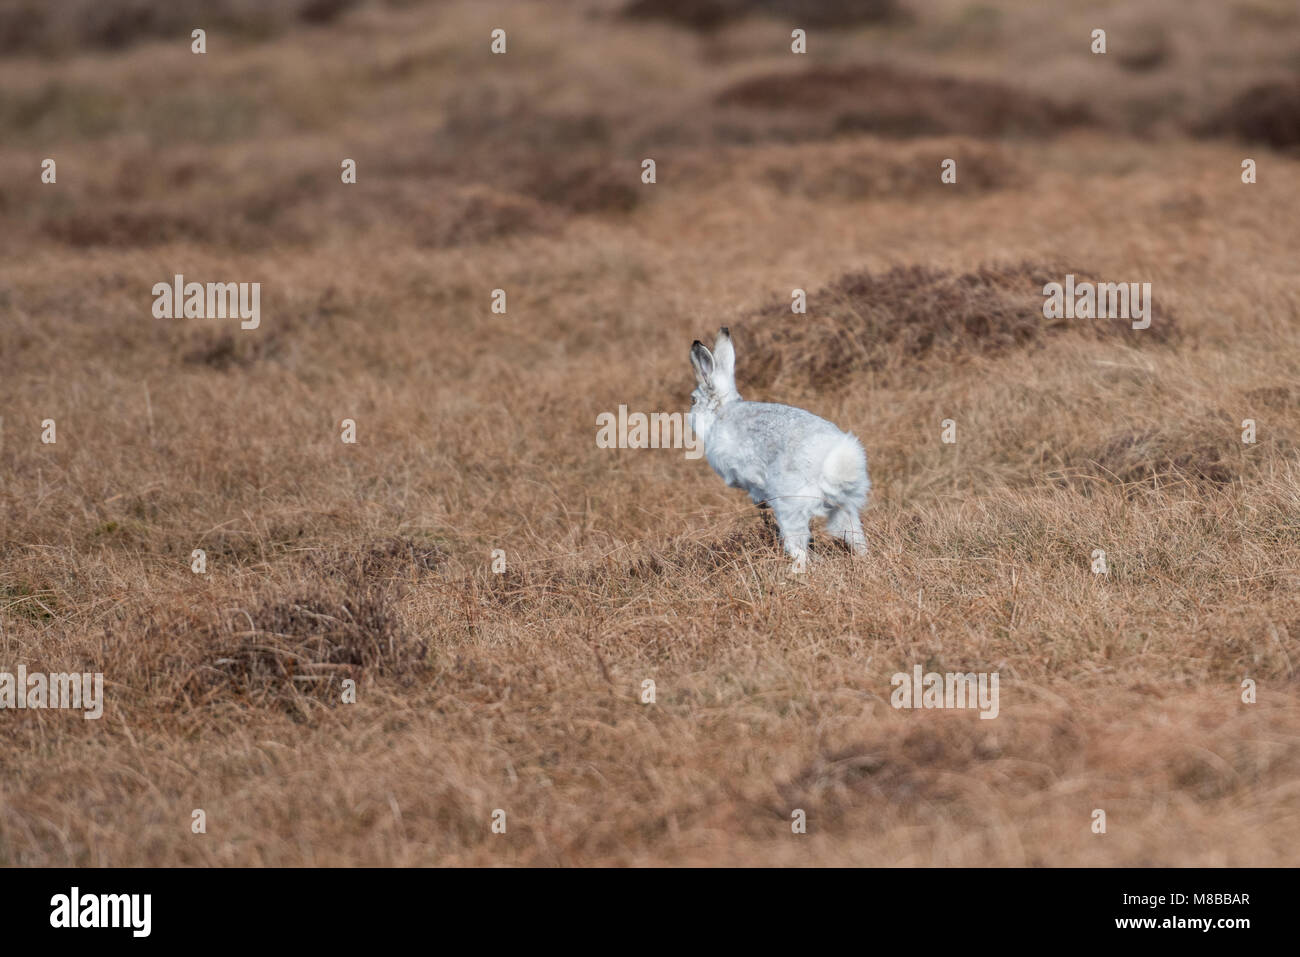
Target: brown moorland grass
{"points": [[476, 431]]}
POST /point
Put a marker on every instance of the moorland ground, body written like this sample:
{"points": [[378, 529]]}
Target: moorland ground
{"points": [[521, 691]]}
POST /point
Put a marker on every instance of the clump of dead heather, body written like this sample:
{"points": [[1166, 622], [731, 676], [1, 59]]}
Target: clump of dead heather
{"points": [[1267, 113], [912, 317], [708, 15], [888, 101], [289, 645]]}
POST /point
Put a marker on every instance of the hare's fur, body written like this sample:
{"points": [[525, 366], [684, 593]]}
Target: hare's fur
{"points": [[794, 462]]}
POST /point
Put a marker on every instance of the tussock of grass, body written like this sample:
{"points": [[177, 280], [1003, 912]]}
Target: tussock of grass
{"points": [[911, 319], [708, 15], [64, 26], [1266, 113], [885, 100]]}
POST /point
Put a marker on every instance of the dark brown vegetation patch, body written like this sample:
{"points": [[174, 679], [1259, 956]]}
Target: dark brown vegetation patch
{"points": [[705, 15], [575, 163], [57, 26], [255, 219], [393, 559], [912, 315], [1268, 113], [479, 214], [587, 185], [1275, 396], [1144, 47], [433, 216], [887, 101], [121, 226]]}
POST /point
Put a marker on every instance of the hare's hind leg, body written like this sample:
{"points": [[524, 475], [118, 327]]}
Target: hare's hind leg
{"points": [[845, 526], [793, 513]]}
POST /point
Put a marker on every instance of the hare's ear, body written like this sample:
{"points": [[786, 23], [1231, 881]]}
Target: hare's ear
{"points": [[702, 360], [724, 357]]}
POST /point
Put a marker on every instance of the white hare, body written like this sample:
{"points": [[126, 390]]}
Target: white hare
{"points": [[792, 461]]}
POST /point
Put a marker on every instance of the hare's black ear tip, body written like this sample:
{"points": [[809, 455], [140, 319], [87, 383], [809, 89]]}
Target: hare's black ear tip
{"points": [[725, 331], [696, 345]]}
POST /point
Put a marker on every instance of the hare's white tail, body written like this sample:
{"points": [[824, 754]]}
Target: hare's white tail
{"points": [[844, 474], [845, 484]]}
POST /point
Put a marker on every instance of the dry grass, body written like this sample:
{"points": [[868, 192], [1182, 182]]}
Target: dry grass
{"points": [[521, 691]]}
